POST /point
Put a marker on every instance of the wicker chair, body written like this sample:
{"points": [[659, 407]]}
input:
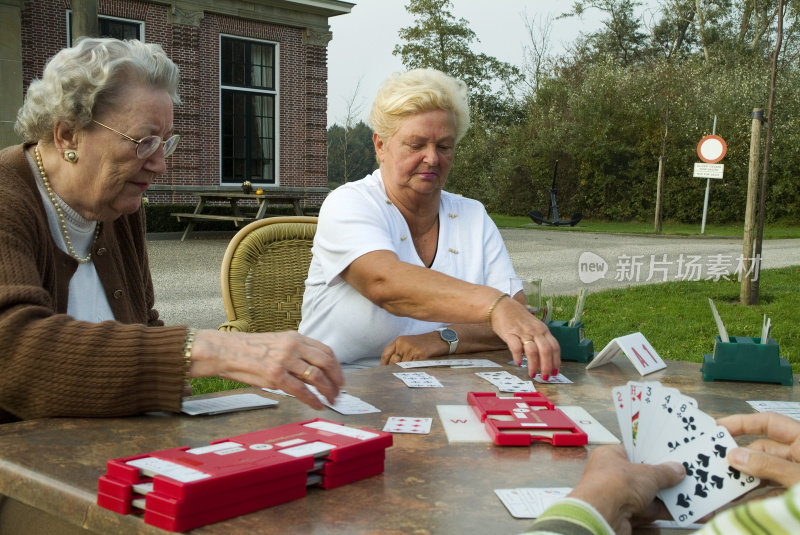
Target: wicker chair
{"points": [[263, 274]]}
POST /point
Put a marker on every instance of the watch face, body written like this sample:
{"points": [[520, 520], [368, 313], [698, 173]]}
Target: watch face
{"points": [[448, 335]]}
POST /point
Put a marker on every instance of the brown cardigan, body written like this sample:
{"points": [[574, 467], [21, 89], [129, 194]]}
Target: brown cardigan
{"points": [[53, 365]]}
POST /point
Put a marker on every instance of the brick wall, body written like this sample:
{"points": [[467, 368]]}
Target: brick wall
{"points": [[302, 87]]}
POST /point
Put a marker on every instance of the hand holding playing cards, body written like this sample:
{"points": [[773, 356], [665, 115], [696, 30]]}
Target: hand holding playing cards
{"points": [[776, 457], [526, 336], [286, 361], [624, 492]]}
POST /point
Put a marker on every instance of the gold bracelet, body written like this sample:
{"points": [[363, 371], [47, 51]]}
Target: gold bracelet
{"points": [[187, 356], [493, 305]]}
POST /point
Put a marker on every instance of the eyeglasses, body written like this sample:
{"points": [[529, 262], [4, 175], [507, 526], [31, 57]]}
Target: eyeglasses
{"points": [[148, 145]]}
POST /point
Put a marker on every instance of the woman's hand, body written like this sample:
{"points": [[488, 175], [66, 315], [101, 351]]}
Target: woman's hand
{"points": [[774, 458], [526, 336], [286, 360], [414, 347], [624, 492]]}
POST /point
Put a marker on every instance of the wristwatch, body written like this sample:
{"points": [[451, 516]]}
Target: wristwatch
{"points": [[449, 336]]}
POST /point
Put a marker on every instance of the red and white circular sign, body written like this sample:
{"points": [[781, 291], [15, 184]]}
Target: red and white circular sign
{"points": [[712, 149]]}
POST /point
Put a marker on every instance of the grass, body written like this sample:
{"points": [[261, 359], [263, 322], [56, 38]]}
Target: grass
{"points": [[771, 231], [676, 319]]}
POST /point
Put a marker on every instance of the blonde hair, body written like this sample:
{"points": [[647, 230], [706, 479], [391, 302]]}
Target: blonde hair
{"points": [[417, 91], [77, 81]]}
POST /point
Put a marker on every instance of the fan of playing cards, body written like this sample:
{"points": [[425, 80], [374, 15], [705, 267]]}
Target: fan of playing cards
{"points": [[659, 424]]}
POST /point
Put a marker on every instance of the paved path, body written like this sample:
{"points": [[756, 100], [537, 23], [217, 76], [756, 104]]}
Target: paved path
{"points": [[186, 274]]}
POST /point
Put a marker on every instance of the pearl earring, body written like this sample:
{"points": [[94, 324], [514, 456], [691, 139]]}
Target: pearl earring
{"points": [[71, 156]]}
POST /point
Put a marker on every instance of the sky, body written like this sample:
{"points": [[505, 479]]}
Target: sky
{"points": [[360, 53]]}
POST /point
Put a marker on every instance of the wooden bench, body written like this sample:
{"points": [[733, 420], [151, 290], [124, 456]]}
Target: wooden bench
{"points": [[191, 219]]}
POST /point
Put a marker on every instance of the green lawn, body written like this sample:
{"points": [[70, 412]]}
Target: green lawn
{"points": [[676, 319], [771, 231]]}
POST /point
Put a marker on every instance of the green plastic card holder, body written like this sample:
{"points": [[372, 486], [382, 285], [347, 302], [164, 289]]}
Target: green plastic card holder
{"points": [[574, 346], [746, 359]]}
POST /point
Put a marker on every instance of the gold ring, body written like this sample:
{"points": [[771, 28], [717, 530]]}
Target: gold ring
{"points": [[308, 371], [527, 342]]}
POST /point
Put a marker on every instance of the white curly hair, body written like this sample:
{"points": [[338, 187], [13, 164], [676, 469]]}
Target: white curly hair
{"points": [[80, 80]]}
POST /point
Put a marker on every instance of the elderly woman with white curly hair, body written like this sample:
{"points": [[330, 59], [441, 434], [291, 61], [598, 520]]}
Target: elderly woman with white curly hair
{"points": [[79, 333], [403, 270]]}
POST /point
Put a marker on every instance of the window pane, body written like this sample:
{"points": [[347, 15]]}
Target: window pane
{"points": [[248, 137], [119, 29], [247, 64]]}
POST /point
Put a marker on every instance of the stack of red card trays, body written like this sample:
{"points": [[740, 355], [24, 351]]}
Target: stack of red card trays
{"points": [[183, 488], [524, 418]]}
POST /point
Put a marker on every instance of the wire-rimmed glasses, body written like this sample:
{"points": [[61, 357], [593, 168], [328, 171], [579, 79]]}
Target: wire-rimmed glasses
{"points": [[148, 145]]}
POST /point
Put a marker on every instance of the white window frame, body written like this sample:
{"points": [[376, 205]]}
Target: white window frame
{"points": [[140, 23], [274, 92]]}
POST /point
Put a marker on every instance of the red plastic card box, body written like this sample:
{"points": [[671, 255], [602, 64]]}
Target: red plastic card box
{"points": [[524, 418], [189, 487]]}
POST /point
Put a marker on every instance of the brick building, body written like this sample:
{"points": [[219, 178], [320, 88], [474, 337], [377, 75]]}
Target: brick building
{"points": [[253, 82]]}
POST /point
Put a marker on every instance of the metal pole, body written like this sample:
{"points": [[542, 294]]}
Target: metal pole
{"points": [[708, 187]]}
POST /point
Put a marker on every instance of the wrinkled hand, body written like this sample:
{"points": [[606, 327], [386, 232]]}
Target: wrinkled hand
{"points": [[624, 492], [414, 347], [526, 335], [285, 360], [775, 458]]}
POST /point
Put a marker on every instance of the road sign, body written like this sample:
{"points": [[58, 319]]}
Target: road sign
{"points": [[708, 170], [712, 149]]}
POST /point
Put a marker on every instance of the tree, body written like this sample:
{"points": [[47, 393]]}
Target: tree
{"points": [[359, 154], [621, 38], [352, 111], [439, 41]]}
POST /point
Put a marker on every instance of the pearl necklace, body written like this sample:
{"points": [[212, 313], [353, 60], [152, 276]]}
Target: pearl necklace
{"points": [[61, 220]]}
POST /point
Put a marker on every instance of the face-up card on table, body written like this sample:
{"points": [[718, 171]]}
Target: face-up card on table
{"points": [[558, 379], [634, 346], [455, 363], [787, 408], [507, 382], [345, 403], [405, 424], [219, 405], [418, 379], [530, 503]]}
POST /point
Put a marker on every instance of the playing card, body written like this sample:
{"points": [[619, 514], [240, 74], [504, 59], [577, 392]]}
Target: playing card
{"points": [[219, 405], [345, 403], [403, 424], [418, 379], [674, 420], [530, 503], [710, 481], [554, 379], [635, 393], [621, 397], [456, 363], [507, 382], [680, 423], [787, 408]]}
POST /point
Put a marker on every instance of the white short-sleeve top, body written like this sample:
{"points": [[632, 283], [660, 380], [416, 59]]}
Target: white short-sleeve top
{"points": [[358, 218]]}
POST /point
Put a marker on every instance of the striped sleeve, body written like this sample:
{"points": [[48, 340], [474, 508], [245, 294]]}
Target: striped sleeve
{"points": [[570, 517], [773, 516]]}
